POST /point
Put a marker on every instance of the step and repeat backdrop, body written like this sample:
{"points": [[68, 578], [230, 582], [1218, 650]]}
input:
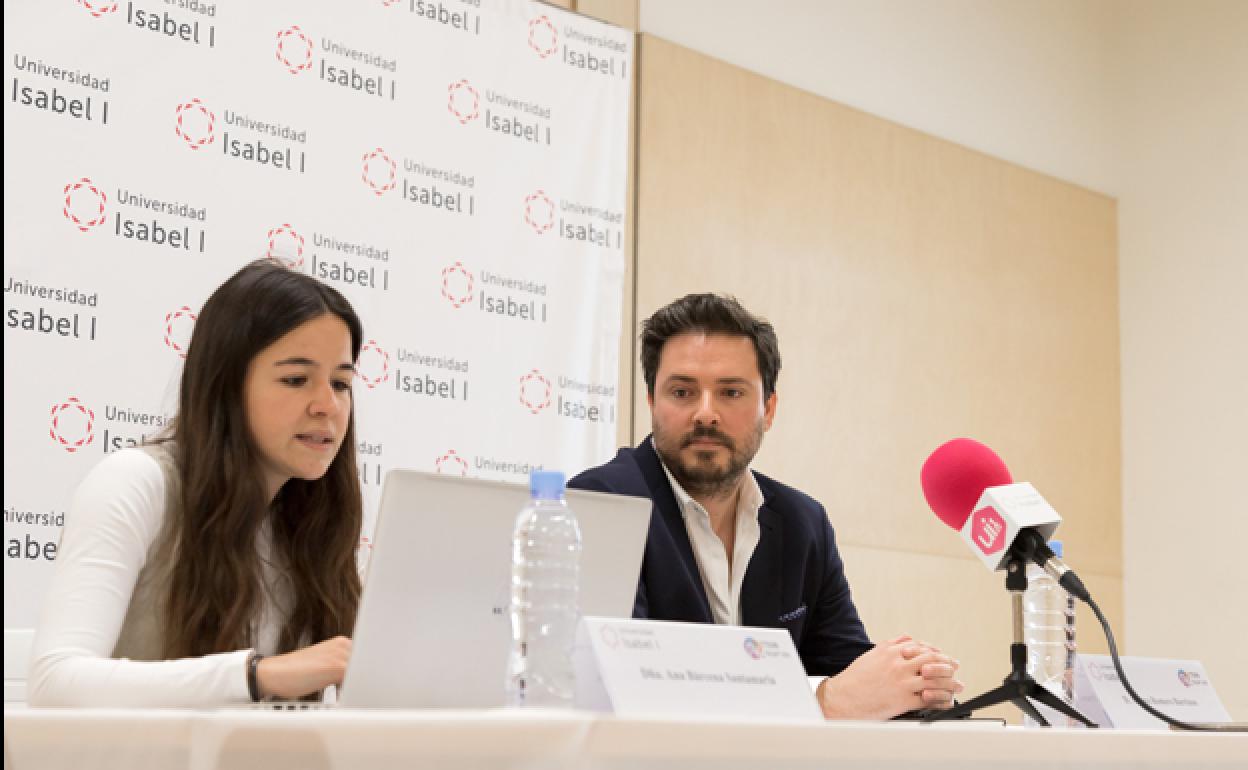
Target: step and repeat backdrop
{"points": [[457, 168]]}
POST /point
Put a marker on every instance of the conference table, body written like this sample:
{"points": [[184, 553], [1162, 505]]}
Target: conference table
{"points": [[321, 739]]}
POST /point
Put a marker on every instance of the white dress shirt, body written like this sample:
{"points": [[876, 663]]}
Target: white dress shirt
{"points": [[722, 584]]}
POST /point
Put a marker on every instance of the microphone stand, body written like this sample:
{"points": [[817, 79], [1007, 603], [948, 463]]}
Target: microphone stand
{"points": [[1018, 686]]}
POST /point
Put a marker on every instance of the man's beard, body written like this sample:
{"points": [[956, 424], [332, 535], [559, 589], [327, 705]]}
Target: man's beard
{"points": [[704, 478]]}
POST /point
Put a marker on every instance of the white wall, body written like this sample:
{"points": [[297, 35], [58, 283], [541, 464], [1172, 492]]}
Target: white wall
{"points": [[1021, 80], [1146, 100], [1181, 100]]}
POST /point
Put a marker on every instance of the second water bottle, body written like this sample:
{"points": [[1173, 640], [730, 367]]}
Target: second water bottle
{"points": [[545, 577]]}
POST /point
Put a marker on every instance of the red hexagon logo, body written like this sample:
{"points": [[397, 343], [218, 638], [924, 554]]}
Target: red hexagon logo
{"points": [[84, 204], [373, 367], [451, 462], [196, 124], [988, 530], [179, 325], [294, 50], [539, 211], [463, 101], [73, 424], [535, 391], [285, 246], [98, 9], [457, 285], [543, 38], [380, 171]]}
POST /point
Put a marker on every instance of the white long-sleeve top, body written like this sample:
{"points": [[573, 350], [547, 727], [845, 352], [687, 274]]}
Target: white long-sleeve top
{"points": [[111, 526]]}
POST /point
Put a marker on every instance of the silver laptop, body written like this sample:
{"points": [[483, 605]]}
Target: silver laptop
{"points": [[433, 628]]}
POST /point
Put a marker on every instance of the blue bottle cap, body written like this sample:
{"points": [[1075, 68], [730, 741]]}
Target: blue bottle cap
{"points": [[546, 485], [1056, 546]]}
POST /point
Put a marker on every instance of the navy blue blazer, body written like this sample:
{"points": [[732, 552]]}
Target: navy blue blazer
{"points": [[795, 579]]}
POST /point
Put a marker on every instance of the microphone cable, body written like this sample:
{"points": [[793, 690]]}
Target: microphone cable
{"points": [[1122, 677]]}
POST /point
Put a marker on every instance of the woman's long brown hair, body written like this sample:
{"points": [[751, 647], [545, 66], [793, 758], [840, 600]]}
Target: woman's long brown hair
{"points": [[215, 588]]}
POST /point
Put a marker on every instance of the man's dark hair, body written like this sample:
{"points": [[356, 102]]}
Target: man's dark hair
{"points": [[709, 314]]}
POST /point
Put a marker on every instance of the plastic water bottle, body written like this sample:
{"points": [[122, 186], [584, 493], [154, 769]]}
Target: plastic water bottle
{"points": [[1049, 631], [545, 575]]}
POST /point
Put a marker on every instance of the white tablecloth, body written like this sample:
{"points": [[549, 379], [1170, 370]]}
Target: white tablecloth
{"points": [[447, 740]]}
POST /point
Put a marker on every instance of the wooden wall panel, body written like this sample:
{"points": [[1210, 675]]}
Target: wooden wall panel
{"points": [[921, 291]]}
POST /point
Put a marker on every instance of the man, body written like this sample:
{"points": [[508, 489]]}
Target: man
{"points": [[730, 545]]}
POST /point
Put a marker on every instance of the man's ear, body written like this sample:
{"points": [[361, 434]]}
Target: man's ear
{"points": [[769, 410]]}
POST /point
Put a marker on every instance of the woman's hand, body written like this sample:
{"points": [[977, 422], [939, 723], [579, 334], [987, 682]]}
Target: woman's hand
{"points": [[305, 671]]}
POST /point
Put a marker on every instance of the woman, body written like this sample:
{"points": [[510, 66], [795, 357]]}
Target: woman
{"points": [[218, 565]]}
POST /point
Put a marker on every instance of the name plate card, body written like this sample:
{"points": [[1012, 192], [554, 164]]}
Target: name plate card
{"points": [[649, 667], [1176, 688]]}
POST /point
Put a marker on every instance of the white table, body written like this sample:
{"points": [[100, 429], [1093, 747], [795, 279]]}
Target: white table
{"points": [[78, 739]]}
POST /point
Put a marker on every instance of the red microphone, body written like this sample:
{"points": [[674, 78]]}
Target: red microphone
{"points": [[969, 488], [956, 474]]}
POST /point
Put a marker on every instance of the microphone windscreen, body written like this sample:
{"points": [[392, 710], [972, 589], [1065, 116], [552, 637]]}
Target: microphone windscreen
{"points": [[956, 474]]}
